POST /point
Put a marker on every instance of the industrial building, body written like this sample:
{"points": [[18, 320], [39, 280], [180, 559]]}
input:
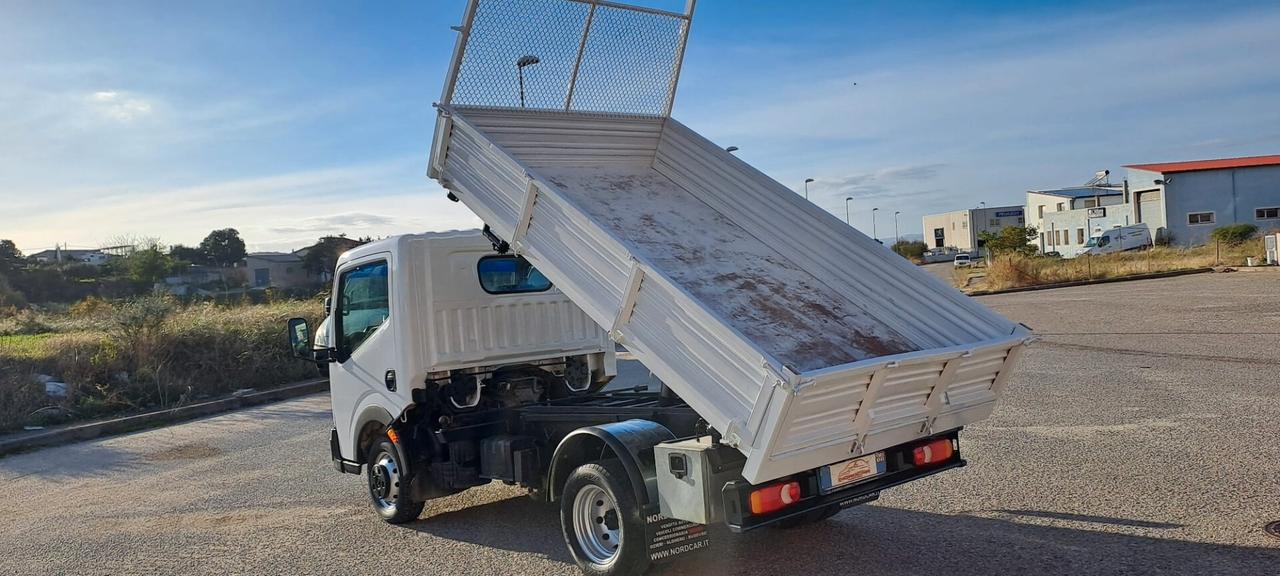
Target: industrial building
{"points": [[1182, 202], [960, 229], [1067, 217]]}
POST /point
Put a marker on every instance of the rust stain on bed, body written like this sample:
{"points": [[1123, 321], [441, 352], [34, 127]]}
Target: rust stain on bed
{"points": [[768, 298]]}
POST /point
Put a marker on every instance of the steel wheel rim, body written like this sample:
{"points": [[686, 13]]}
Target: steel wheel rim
{"points": [[384, 482], [597, 525]]}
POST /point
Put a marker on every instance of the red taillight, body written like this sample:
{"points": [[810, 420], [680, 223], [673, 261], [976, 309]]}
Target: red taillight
{"points": [[933, 452], [775, 497]]}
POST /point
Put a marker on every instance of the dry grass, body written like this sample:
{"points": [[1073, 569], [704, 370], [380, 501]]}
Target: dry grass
{"points": [[144, 354], [1010, 271]]}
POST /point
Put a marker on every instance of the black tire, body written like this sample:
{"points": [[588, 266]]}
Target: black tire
{"points": [[631, 556], [389, 484], [810, 517]]}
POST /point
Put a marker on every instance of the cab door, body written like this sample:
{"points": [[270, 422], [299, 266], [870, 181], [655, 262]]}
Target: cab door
{"points": [[364, 342]]}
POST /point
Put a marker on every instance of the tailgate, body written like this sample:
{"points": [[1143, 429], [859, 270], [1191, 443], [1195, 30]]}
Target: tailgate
{"points": [[835, 413]]}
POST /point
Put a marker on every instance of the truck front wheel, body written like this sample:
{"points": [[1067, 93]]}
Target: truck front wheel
{"points": [[601, 521], [388, 485]]}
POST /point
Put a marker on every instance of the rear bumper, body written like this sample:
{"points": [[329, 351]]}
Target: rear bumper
{"points": [[737, 494], [339, 463]]}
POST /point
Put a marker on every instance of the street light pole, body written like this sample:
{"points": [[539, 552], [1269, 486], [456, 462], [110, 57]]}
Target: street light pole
{"points": [[873, 224], [846, 210], [896, 237], [806, 187], [521, 62]]}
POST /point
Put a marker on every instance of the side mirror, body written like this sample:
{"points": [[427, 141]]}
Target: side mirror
{"points": [[300, 339], [328, 305]]}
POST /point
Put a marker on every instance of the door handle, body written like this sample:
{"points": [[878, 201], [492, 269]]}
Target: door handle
{"points": [[390, 380]]}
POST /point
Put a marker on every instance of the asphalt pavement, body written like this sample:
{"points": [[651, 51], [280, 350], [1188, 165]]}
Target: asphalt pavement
{"points": [[1139, 437]]}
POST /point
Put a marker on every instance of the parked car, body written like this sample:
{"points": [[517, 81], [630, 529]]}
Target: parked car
{"points": [[963, 261]]}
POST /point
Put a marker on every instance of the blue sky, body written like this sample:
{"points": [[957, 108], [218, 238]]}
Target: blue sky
{"points": [[289, 120]]}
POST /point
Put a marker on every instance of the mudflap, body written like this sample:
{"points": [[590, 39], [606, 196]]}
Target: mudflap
{"points": [[669, 537]]}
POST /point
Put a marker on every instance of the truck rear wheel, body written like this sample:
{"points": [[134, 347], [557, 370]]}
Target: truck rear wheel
{"points": [[388, 484], [601, 521]]}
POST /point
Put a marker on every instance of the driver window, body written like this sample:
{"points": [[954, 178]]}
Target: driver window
{"points": [[362, 303]]}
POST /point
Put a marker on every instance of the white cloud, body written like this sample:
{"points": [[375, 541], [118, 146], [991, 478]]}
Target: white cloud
{"points": [[879, 183], [1006, 112], [120, 106], [276, 212]]}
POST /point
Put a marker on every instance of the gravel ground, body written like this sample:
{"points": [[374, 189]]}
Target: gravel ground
{"points": [[1137, 438]]}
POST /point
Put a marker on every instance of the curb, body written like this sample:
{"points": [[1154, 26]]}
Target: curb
{"points": [[1154, 276], [89, 431]]}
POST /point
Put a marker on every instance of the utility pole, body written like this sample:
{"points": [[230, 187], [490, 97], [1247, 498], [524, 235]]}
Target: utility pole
{"points": [[806, 187], [896, 237], [846, 210], [873, 224]]}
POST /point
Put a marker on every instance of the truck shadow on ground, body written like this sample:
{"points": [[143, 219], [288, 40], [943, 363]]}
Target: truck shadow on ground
{"points": [[889, 541], [518, 524]]}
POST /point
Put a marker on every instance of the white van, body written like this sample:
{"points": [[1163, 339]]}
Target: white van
{"points": [[1118, 239]]}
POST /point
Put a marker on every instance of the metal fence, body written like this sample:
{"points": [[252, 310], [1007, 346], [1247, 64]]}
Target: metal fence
{"points": [[577, 55]]}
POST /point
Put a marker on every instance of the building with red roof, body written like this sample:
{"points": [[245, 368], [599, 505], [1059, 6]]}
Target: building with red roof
{"points": [[1184, 201]]}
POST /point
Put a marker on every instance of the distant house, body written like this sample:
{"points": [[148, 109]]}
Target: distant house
{"points": [[202, 280], [275, 270], [90, 257]]}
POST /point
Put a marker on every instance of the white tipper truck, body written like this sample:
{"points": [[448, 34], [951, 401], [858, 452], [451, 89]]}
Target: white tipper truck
{"points": [[804, 366]]}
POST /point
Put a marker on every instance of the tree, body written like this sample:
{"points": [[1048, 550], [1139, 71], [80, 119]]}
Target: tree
{"points": [[124, 244], [321, 258], [149, 265], [188, 254], [909, 249], [1014, 239], [10, 257], [223, 248]]}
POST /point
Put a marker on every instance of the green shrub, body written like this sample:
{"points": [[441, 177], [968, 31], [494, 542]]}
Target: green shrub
{"points": [[1234, 234], [911, 250], [147, 353], [91, 307], [28, 322], [20, 395], [10, 298]]}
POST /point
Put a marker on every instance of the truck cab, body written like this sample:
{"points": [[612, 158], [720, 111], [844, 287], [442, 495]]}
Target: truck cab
{"points": [[443, 308]]}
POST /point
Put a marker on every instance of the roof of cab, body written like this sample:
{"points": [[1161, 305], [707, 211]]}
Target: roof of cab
{"points": [[393, 243]]}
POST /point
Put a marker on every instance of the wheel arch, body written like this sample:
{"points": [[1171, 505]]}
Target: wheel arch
{"points": [[630, 441], [373, 421]]}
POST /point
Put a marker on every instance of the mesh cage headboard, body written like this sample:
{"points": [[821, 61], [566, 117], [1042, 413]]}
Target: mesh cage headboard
{"points": [[577, 55]]}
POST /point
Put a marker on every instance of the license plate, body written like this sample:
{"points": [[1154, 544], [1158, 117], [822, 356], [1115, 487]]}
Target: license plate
{"points": [[850, 471]]}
